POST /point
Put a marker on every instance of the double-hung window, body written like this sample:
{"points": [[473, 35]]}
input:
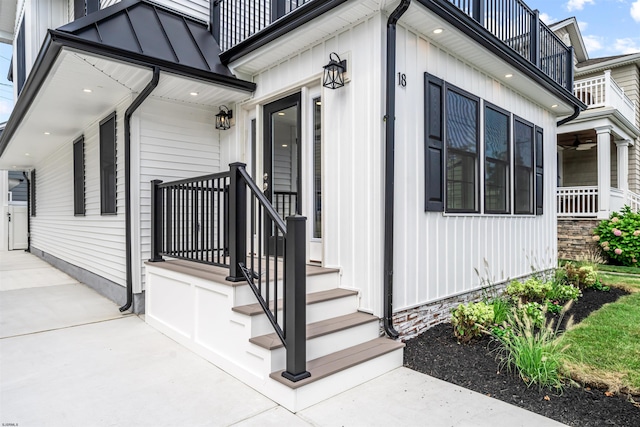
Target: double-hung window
{"points": [[461, 118], [523, 179], [497, 160], [500, 154]]}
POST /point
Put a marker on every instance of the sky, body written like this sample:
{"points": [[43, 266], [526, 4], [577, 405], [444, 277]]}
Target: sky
{"points": [[609, 27]]}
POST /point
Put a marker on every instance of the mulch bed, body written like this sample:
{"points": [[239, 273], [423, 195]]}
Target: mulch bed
{"points": [[474, 366]]}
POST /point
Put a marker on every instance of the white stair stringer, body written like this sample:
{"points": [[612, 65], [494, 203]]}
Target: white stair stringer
{"points": [[214, 318]]}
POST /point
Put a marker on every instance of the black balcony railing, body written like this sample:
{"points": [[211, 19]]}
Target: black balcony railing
{"points": [[511, 21], [225, 220]]}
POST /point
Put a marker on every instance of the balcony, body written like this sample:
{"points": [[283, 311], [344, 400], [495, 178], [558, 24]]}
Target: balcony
{"points": [[603, 91], [236, 22]]}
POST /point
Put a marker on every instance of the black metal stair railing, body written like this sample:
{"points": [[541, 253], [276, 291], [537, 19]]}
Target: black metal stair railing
{"points": [[206, 220]]}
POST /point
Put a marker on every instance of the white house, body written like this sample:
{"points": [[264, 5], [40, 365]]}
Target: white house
{"points": [[435, 160], [598, 152]]}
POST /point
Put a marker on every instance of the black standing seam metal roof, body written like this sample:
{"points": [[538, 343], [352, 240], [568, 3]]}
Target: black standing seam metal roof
{"points": [[152, 32], [133, 31]]}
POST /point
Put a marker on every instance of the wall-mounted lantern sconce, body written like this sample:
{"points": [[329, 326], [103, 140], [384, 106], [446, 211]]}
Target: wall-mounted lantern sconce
{"points": [[334, 72], [223, 118]]}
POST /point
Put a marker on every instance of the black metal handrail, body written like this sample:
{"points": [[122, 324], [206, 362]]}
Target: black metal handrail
{"points": [[190, 219], [511, 21], [205, 220], [520, 28]]}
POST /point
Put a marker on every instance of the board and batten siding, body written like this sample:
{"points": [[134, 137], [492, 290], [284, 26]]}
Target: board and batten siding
{"points": [[352, 150], [436, 255], [93, 242], [176, 141], [198, 9]]}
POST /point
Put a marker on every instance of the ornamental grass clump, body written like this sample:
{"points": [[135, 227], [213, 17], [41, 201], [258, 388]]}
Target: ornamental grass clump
{"points": [[533, 352], [618, 238]]}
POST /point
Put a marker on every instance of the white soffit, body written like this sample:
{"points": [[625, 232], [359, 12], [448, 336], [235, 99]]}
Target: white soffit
{"points": [[7, 20], [62, 109]]}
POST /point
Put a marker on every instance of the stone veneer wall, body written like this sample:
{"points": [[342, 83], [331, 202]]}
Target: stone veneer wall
{"points": [[574, 238]]}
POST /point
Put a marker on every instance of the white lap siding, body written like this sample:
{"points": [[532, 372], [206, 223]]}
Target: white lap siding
{"points": [[176, 141], [93, 242]]}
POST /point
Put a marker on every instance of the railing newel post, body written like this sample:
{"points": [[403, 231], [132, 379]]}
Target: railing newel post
{"points": [[295, 298], [534, 46], [157, 205], [237, 222]]}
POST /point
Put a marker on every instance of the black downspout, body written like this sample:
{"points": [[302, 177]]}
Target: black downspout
{"points": [[576, 113], [389, 167], [28, 211], [127, 178]]}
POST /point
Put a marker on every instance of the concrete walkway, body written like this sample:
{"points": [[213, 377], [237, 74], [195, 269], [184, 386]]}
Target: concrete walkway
{"points": [[69, 358]]}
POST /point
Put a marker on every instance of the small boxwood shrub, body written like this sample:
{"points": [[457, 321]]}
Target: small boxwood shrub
{"points": [[533, 289], [618, 238]]}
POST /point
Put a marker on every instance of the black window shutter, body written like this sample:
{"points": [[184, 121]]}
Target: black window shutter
{"points": [[33, 192], [108, 165], [539, 154], [21, 61], [434, 143], [78, 176]]}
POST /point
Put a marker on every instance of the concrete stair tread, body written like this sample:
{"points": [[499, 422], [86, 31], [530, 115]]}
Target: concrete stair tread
{"points": [[312, 298], [318, 329], [344, 359]]}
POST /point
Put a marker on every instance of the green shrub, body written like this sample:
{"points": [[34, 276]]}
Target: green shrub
{"points": [[532, 311], [533, 289], [618, 238], [470, 320], [585, 276], [563, 293]]}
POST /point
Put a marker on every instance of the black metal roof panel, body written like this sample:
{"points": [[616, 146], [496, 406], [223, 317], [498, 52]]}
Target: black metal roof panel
{"points": [[152, 31]]}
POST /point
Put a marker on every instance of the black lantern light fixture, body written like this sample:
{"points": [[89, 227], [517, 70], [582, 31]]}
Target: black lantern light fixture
{"points": [[334, 72], [223, 118]]}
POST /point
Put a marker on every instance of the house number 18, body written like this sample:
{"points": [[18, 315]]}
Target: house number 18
{"points": [[402, 79]]}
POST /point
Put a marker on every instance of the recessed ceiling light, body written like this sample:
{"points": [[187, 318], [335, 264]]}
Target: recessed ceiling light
{"points": [[554, 106], [281, 113], [193, 93], [285, 145], [87, 90], [27, 154], [14, 166], [438, 31], [47, 133], [508, 75]]}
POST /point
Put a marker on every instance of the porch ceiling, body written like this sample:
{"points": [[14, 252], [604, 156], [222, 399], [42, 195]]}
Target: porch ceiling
{"points": [[585, 124], [7, 20], [63, 108]]}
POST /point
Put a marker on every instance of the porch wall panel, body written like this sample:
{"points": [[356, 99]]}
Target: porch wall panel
{"points": [[439, 255], [628, 78], [176, 141], [352, 150], [93, 242]]}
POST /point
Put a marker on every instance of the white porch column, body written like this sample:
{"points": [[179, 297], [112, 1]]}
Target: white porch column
{"points": [[604, 170], [623, 164]]}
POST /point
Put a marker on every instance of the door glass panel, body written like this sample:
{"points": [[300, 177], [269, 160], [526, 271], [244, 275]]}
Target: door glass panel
{"points": [[285, 179], [317, 168]]}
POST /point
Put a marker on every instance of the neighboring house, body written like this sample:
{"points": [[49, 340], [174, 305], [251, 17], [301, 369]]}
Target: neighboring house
{"points": [[428, 171], [599, 151]]}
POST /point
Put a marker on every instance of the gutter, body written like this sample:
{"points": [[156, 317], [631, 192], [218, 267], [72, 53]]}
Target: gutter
{"points": [[576, 113], [390, 140], [127, 178], [26, 177]]}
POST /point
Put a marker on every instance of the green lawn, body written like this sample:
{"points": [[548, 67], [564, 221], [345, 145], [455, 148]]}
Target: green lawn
{"points": [[604, 349]]}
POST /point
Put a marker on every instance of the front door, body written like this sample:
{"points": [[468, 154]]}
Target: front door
{"points": [[282, 161]]}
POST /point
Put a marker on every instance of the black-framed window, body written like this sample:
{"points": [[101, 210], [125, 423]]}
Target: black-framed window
{"points": [[497, 174], [523, 169], [108, 165], [462, 136], [78, 176]]}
